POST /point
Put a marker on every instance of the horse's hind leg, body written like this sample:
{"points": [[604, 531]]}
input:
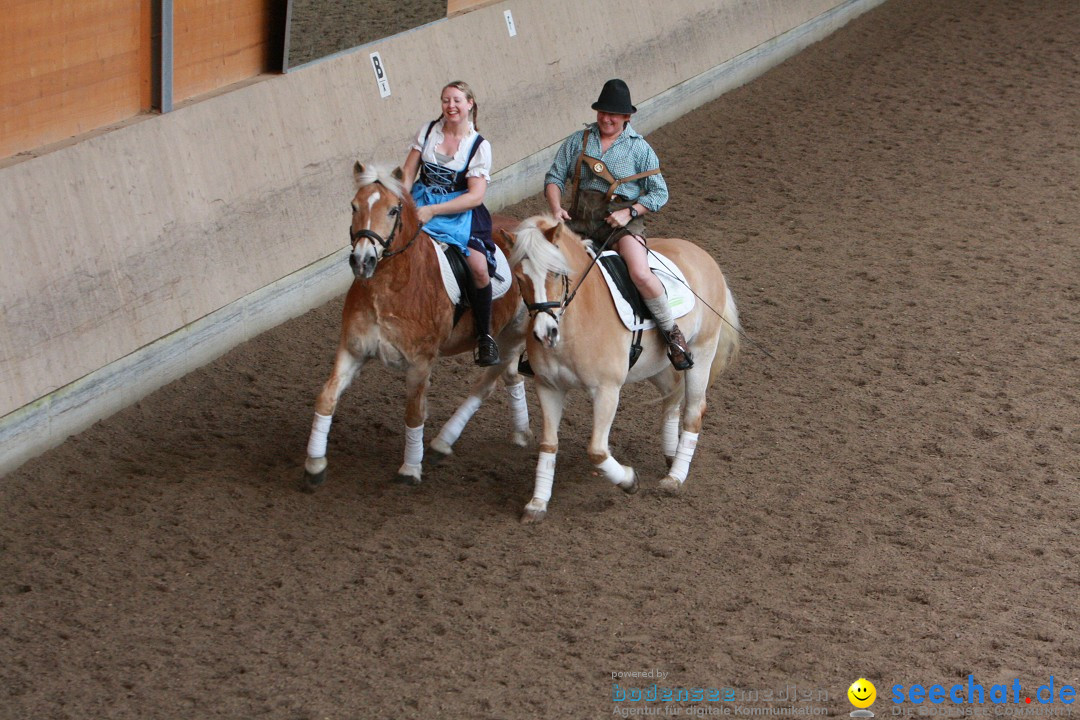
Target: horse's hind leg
{"points": [[668, 382], [605, 403], [552, 401], [346, 366], [696, 383]]}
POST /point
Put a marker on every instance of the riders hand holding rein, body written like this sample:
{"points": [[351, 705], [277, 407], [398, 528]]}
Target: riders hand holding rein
{"points": [[454, 165], [616, 179]]}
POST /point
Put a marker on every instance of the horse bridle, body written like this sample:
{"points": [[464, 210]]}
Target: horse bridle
{"points": [[355, 235], [568, 295], [551, 306]]}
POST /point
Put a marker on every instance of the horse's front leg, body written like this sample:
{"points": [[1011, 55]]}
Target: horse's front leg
{"points": [[552, 400], [605, 403], [521, 434], [346, 365], [417, 380]]}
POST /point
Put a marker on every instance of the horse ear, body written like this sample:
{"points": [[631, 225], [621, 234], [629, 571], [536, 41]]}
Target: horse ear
{"points": [[508, 237], [357, 170], [551, 232], [398, 174]]}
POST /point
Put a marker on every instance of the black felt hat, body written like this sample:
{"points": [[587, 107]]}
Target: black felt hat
{"points": [[614, 98]]}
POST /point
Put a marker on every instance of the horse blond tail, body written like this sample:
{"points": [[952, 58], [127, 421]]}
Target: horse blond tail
{"points": [[727, 346]]}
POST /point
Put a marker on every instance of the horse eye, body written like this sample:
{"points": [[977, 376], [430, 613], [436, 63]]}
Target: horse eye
{"points": [[394, 211]]}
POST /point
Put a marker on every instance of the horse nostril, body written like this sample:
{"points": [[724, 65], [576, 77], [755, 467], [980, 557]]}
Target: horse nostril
{"points": [[352, 260]]}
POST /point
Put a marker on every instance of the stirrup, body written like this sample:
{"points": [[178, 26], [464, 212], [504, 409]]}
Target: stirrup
{"points": [[487, 351], [678, 353], [524, 368]]}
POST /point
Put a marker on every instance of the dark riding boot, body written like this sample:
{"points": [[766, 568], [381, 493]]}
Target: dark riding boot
{"points": [[678, 352], [487, 350]]}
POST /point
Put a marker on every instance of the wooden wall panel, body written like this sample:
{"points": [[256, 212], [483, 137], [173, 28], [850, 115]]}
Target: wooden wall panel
{"points": [[69, 67], [217, 43], [457, 7]]}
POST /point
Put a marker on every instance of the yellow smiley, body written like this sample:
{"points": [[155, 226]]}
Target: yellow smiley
{"points": [[862, 693]]}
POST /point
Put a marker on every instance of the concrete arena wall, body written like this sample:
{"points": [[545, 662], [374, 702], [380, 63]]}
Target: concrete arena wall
{"points": [[137, 255]]}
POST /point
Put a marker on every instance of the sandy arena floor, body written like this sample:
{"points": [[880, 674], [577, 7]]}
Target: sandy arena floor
{"points": [[894, 495]]}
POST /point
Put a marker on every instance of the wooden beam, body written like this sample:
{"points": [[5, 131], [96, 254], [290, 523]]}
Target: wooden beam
{"points": [[459, 7]]}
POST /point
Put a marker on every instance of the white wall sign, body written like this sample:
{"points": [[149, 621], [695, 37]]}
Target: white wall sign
{"points": [[510, 23], [380, 75]]}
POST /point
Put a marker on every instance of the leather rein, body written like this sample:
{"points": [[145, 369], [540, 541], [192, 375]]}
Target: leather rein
{"points": [[568, 294]]}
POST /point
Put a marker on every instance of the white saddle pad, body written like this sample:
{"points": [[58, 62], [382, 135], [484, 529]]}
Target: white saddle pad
{"points": [[498, 287], [680, 299]]}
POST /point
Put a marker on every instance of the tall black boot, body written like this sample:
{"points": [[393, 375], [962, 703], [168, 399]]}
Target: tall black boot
{"points": [[487, 351]]}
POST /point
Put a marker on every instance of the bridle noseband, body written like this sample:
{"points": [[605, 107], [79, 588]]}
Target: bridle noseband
{"points": [[551, 306]]}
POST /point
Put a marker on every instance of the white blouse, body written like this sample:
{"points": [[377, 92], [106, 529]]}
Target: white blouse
{"points": [[481, 162]]}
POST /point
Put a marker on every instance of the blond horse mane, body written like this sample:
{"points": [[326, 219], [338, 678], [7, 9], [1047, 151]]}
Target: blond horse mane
{"points": [[532, 244], [381, 174]]}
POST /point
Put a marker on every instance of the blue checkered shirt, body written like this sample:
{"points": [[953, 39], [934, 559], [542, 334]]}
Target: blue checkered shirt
{"points": [[628, 155]]}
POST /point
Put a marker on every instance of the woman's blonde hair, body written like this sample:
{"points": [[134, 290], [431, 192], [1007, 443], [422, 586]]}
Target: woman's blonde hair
{"points": [[464, 87]]}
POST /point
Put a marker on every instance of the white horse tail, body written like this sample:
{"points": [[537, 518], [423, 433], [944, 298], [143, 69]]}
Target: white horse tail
{"points": [[727, 346]]}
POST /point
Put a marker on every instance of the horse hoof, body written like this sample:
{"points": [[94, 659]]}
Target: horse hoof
{"points": [[402, 479], [522, 439], [670, 485], [312, 482], [441, 449], [435, 457], [314, 473], [534, 512], [531, 517], [630, 486]]}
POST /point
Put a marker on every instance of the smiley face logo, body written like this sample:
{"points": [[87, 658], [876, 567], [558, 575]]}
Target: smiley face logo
{"points": [[862, 693]]}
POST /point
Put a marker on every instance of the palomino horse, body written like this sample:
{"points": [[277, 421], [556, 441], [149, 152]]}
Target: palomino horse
{"points": [[577, 341], [397, 310]]}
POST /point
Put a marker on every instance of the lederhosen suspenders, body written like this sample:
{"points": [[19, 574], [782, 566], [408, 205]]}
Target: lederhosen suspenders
{"points": [[600, 170], [460, 183]]}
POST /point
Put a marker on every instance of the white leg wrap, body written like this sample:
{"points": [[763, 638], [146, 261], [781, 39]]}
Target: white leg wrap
{"points": [[681, 466], [612, 470], [452, 429], [414, 445], [545, 476], [320, 428], [671, 435], [518, 407]]}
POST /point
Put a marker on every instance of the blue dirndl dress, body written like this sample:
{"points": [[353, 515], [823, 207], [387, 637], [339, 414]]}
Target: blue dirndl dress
{"points": [[464, 230]]}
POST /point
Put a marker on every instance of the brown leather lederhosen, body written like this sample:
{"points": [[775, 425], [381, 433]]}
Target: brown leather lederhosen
{"points": [[587, 211]]}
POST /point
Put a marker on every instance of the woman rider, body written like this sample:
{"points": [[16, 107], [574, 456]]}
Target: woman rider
{"points": [[454, 165]]}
